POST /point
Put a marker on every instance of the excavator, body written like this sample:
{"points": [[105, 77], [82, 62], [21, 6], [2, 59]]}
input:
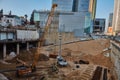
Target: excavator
{"points": [[26, 69]]}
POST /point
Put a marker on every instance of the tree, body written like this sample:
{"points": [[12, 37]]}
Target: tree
{"points": [[26, 18], [31, 19]]}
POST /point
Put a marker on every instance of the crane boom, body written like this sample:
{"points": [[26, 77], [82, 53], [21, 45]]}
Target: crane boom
{"points": [[25, 68], [47, 25]]}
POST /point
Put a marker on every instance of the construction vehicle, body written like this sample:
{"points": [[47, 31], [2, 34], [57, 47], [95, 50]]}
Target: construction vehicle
{"points": [[26, 69], [60, 60]]}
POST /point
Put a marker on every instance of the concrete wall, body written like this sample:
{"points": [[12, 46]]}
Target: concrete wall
{"points": [[27, 35], [115, 57]]}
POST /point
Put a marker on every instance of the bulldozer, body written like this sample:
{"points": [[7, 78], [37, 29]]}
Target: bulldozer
{"points": [[26, 69]]}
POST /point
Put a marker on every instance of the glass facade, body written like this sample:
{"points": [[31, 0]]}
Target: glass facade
{"points": [[36, 16], [83, 5], [75, 6], [41, 16], [72, 5], [63, 5], [70, 16], [81, 19], [110, 20], [73, 22], [99, 25], [88, 24]]}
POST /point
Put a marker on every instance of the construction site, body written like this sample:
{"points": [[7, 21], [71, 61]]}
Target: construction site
{"points": [[86, 60], [58, 56]]}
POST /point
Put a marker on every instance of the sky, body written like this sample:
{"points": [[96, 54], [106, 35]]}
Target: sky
{"points": [[104, 8], [22, 7]]}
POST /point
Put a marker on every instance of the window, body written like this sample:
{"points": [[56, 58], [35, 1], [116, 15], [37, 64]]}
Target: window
{"points": [[7, 21], [97, 23]]}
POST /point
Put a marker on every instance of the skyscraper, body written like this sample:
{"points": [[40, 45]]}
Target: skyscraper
{"points": [[63, 5], [86, 8], [92, 8], [72, 16], [110, 20], [74, 5], [116, 17], [99, 25], [110, 28], [83, 5]]}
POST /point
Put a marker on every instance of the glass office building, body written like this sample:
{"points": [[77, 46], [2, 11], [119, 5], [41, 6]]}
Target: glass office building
{"points": [[88, 23], [83, 5], [74, 22], [74, 16], [72, 5], [110, 20], [63, 5]]}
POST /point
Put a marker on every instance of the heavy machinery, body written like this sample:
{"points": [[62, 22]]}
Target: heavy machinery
{"points": [[26, 69], [60, 60]]}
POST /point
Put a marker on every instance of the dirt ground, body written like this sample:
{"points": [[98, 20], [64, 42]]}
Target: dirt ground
{"points": [[91, 51]]}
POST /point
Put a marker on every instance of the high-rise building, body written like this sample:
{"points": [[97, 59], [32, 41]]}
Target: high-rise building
{"points": [[116, 17], [99, 25], [74, 5], [92, 8], [86, 7], [83, 5], [110, 20], [110, 28], [71, 16], [63, 5], [80, 5]]}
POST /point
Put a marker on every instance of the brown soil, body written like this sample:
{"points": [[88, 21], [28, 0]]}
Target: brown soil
{"points": [[89, 51]]}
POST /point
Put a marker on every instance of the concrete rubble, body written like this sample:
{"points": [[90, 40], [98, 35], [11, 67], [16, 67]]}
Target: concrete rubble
{"points": [[2, 77]]}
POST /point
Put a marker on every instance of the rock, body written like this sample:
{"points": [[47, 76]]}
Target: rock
{"points": [[12, 54], [2, 77]]}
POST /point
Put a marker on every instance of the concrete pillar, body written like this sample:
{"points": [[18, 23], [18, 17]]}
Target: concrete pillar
{"points": [[18, 49], [27, 46], [4, 50]]}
